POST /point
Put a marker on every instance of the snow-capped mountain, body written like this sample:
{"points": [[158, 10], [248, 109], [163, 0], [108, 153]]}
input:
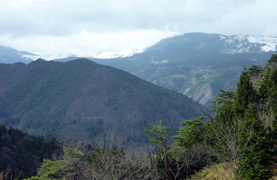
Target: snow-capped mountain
{"points": [[111, 55], [167, 50], [98, 55], [202, 44], [247, 43]]}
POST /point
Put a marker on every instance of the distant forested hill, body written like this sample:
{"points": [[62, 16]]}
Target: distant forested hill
{"points": [[81, 99]]}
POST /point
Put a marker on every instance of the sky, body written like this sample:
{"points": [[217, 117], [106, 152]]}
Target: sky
{"points": [[89, 26]]}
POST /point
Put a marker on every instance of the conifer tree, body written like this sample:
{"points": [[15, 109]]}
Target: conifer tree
{"points": [[272, 93], [253, 151], [244, 95], [159, 134], [254, 147], [67, 168], [190, 134]]}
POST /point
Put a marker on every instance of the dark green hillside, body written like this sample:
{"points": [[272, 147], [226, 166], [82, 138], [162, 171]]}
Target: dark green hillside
{"points": [[80, 99], [21, 154]]}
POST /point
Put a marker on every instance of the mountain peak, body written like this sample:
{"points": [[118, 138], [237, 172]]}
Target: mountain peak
{"points": [[194, 44]]}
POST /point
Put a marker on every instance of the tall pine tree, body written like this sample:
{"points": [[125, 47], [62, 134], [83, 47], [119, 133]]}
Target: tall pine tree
{"points": [[253, 151]]}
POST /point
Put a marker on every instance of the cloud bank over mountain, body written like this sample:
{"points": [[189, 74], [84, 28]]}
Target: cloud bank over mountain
{"points": [[87, 26]]}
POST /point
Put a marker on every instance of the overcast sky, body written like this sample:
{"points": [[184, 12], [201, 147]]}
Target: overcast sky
{"points": [[88, 26]]}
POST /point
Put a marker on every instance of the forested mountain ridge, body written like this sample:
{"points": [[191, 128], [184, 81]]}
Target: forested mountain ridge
{"points": [[81, 99], [239, 142]]}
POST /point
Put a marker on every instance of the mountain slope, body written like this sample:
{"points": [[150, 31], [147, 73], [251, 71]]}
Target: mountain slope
{"points": [[198, 64], [81, 99], [201, 44]]}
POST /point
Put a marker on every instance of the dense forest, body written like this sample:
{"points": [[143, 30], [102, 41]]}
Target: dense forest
{"points": [[238, 142], [21, 154], [81, 99]]}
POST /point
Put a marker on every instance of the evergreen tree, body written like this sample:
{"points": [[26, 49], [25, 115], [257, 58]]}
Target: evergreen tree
{"points": [[272, 93], [244, 95], [254, 147], [192, 133], [255, 70], [67, 168], [189, 153], [159, 134], [273, 59]]}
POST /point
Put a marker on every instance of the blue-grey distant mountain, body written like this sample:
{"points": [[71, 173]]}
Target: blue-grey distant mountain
{"points": [[201, 44], [10, 55]]}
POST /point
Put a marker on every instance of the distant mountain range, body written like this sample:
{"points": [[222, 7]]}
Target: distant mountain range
{"points": [[81, 99], [10, 55], [193, 44], [198, 64], [195, 64]]}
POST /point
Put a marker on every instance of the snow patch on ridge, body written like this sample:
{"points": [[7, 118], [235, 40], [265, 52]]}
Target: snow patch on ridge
{"points": [[110, 55], [245, 42], [269, 43], [222, 37], [240, 37], [99, 55]]}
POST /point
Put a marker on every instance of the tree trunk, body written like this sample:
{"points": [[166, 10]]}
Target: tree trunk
{"points": [[166, 161]]}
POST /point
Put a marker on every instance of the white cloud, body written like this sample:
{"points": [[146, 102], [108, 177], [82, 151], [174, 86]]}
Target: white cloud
{"points": [[85, 42], [70, 26]]}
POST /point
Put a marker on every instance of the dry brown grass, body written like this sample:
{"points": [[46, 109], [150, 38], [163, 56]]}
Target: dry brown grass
{"points": [[215, 172]]}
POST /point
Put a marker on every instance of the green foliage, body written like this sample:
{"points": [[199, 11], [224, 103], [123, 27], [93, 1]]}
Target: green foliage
{"points": [[243, 130], [268, 91], [68, 167], [254, 147], [189, 153], [255, 70], [221, 131], [244, 95], [273, 59], [192, 133], [103, 163], [159, 133], [23, 153]]}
